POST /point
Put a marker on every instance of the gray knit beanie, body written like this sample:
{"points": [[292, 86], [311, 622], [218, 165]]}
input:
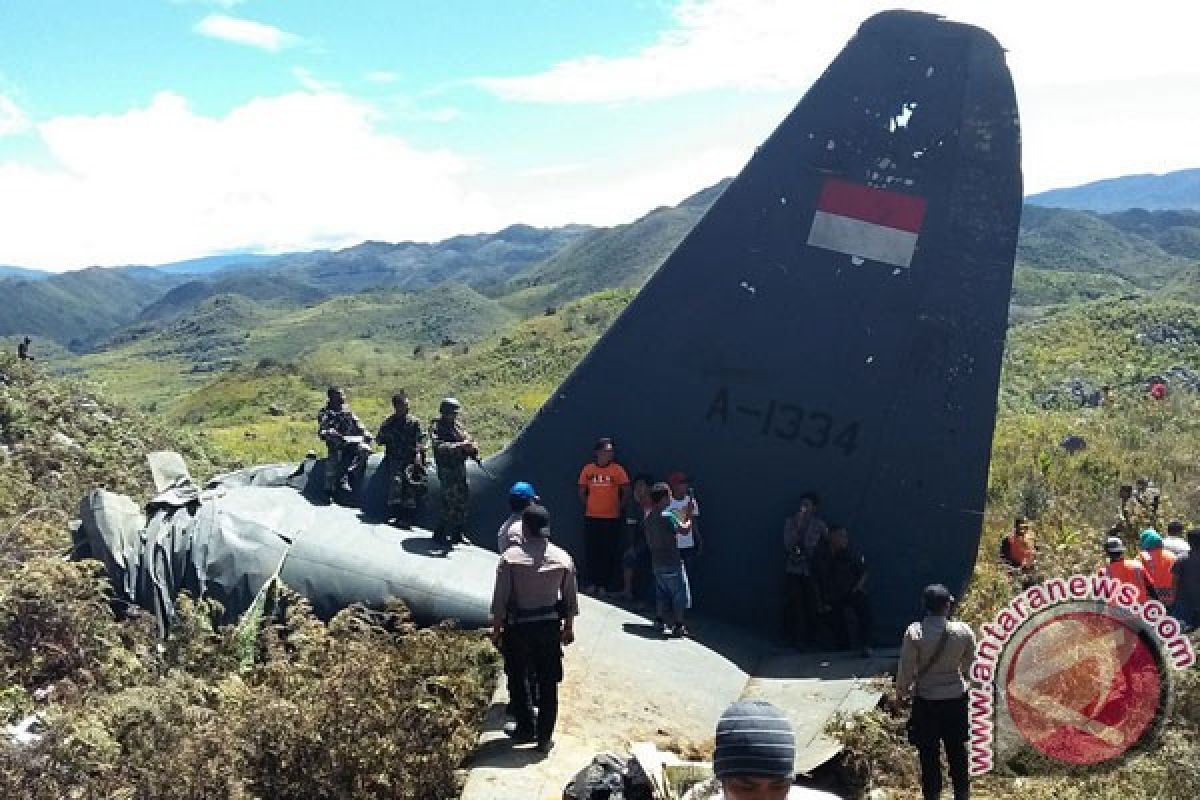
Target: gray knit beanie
{"points": [[754, 738]]}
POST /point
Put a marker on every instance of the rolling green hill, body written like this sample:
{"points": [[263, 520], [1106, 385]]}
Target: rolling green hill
{"points": [[620, 257], [155, 364], [477, 260], [1079, 241], [77, 307], [272, 290]]}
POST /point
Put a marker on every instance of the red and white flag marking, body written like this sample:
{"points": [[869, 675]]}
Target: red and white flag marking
{"points": [[870, 223]]}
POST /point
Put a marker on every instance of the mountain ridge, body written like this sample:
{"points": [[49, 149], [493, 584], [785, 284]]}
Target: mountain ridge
{"points": [[1179, 189]]}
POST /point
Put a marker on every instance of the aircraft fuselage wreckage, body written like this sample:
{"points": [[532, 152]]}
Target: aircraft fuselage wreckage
{"points": [[834, 323]]}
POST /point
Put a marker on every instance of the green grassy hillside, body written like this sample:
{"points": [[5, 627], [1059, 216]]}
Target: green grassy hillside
{"points": [[1079, 241], [620, 257], [78, 307], [501, 380], [154, 365]]}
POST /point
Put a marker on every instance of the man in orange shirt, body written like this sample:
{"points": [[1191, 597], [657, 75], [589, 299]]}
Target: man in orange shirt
{"points": [[603, 486], [1018, 551], [1158, 564], [1127, 570]]}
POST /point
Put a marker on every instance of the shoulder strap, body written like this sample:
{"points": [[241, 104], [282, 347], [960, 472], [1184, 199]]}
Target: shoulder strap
{"points": [[937, 653]]}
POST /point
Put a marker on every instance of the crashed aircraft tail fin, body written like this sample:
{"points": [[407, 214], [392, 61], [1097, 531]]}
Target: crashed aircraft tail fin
{"points": [[835, 323]]}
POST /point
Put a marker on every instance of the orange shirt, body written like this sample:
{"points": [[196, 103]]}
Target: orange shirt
{"points": [[1128, 571], [603, 489], [1021, 549], [1158, 564]]}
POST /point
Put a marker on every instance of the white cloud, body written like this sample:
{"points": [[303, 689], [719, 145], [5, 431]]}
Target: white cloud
{"points": [[439, 115], [715, 44], [12, 118], [1104, 90], [552, 170], [245, 31], [161, 183], [768, 45]]}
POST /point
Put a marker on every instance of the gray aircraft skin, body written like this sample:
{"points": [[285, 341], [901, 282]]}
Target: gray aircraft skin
{"points": [[835, 323]]}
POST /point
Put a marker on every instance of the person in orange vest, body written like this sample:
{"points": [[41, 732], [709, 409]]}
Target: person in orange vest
{"points": [[1018, 551], [1127, 570], [1158, 564]]}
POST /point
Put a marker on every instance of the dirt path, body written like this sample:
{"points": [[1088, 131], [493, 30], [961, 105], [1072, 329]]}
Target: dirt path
{"points": [[623, 684]]}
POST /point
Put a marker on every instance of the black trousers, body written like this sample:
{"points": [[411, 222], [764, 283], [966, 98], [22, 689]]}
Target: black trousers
{"points": [[533, 651], [852, 607], [800, 618], [935, 724], [602, 539]]}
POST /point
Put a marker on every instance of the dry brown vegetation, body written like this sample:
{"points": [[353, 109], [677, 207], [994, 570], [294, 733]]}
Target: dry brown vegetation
{"points": [[280, 706]]}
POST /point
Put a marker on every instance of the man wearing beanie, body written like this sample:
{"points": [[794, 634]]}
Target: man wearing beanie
{"points": [[755, 754], [534, 605]]}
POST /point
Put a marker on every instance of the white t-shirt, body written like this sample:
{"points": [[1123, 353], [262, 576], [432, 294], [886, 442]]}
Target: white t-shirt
{"points": [[1176, 545], [510, 533], [685, 541]]}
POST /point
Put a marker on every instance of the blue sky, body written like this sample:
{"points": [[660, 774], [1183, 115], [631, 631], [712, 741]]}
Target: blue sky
{"points": [[143, 131]]}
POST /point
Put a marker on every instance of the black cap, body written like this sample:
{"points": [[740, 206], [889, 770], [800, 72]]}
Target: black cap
{"points": [[536, 519], [936, 598]]}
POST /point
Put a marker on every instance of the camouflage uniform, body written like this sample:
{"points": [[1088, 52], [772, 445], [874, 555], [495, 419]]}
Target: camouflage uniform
{"points": [[347, 459], [452, 474], [405, 445]]}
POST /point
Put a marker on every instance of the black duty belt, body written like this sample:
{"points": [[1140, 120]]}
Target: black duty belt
{"points": [[520, 614]]}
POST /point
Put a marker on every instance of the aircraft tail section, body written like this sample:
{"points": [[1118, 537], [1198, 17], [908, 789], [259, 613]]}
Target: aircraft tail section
{"points": [[835, 323]]}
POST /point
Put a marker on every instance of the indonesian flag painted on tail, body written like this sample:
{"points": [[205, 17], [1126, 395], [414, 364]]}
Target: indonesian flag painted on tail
{"points": [[866, 222]]}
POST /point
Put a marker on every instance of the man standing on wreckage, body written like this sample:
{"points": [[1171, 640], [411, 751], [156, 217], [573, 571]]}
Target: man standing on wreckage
{"points": [[452, 446], [348, 442]]}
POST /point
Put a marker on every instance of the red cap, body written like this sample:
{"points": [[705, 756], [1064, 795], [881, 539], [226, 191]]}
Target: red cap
{"points": [[677, 477]]}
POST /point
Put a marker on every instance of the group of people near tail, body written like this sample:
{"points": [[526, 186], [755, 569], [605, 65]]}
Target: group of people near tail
{"points": [[535, 596], [348, 442], [639, 537], [1165, 568], [825, 595]]}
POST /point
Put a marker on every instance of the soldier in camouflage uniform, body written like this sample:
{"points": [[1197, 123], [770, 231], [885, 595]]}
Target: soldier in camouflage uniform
{"points": [[347, 439], [452, 446], [404, 460]]}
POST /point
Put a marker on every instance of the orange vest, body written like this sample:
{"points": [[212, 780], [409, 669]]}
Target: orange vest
{"points": [[1021, 548], [1129, 571], [1158, 564]]}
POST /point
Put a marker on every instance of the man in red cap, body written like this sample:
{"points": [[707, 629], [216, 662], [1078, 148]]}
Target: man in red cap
{"points": [[687, 511]]}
